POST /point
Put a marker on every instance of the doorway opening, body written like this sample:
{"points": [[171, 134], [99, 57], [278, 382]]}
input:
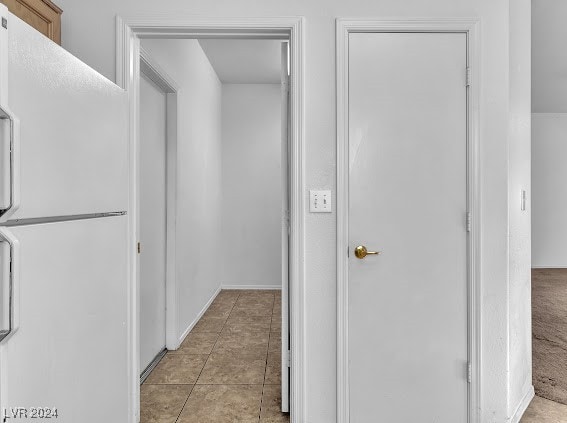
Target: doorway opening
{"points": [[214, 237], [547, 203], [157, 213]]}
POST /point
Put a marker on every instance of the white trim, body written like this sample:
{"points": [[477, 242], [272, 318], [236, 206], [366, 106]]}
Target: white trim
{"points": [[252, 286], [551, 114], [343, 28], [284, 265], [148, 370], [194, 322], [181, 25], [523, 406], [152, 70], [128, 65], [549, 267], [129, 31], [172, 294]]}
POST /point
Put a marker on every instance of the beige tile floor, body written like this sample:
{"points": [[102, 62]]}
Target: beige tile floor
{"points": [[228, 368]]}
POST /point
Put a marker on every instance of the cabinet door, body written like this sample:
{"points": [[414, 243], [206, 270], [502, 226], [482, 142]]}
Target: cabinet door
{"points": [[43, 15]]}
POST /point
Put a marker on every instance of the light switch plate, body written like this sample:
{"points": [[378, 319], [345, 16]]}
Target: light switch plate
{"points": [[320, 201]]}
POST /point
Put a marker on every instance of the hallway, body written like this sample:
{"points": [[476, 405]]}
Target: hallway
{"points": [[226, 370]]}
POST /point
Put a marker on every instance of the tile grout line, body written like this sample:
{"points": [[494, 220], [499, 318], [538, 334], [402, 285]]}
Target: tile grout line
{"points": [[224, 326], [208, 356], [267, 357]]}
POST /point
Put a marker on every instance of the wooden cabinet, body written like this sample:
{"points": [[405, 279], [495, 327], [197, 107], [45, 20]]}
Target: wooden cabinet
{"points": [[43, 15]]}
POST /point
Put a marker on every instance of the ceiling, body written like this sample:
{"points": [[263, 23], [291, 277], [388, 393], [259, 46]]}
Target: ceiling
{"points": [[244, 61]]}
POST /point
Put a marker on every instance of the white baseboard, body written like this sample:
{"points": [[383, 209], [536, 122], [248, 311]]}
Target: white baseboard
{"points": [[549, 267], [194, 322], [523, 406], [252, 286]]}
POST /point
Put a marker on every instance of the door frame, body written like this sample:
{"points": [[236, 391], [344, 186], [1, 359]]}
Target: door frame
{"points": [[129, 30], [152, 70], [344, 27], [284, 318]]}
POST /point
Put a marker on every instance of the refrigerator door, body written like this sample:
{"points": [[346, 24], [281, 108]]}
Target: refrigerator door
{"points": [[69, 351], [69, 156]]}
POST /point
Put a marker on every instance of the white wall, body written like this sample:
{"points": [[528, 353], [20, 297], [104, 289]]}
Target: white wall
{"points": [[519, 284], [244, 61], [549, 61], [89, 33], [251, 184], [549, 133], [198, 172], [549, 201]]}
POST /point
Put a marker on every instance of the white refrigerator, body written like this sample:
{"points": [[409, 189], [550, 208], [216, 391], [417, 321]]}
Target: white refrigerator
{"points": [[63, 235]]}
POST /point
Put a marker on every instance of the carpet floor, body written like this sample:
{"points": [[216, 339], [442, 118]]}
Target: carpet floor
{"points": [[549, 326]]}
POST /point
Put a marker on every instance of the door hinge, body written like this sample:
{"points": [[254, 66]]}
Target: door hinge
{"points": [[469, 372], [285, 86], [139, 247], [468, 221], [288, 358], [468, 77]]}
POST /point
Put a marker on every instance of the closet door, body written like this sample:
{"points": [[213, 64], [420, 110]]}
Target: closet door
{"points": [[407, 201]]}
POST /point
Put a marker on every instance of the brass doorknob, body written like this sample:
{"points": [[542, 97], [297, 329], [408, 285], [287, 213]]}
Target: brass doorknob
{"points": [[361, 252]]}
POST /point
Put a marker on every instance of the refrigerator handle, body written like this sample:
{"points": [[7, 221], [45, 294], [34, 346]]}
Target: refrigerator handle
{"points": [[9, 273], [12, 153]]}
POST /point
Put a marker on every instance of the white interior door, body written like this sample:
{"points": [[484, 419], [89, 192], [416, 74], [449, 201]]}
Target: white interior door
{"points": [[73, 126], [285, 229], [152, 220], [408, 200], [69, 350]]}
